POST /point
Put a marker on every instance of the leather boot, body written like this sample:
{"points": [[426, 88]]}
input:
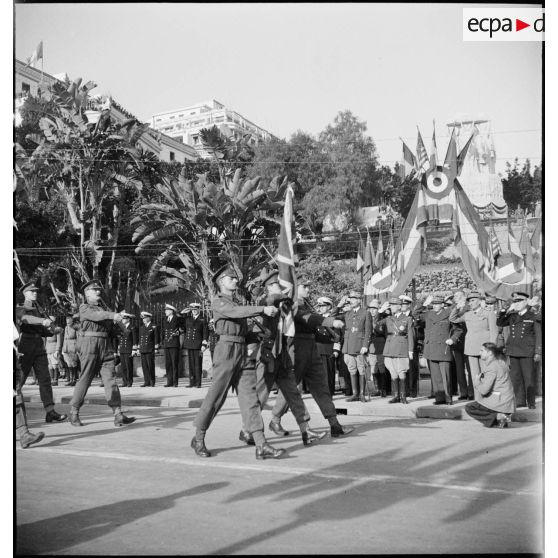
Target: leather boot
{"points": [[53, 376], [402, 388], [74, 417], [268, 452], [395, 391], [309, 437], [248, 439], [199, 448], [53, 416], [120, 419], [339, 430], [377, 390], [27, 438], [354, 387], [278, 429]]}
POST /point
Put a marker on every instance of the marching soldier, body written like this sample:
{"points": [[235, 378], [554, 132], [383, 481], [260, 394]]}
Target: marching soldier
{"points": [[307, 364], [96, 354], [229, 367], [399, 347], [523, 347], [127, 344], [195, 341], [69, 349], [171, 343], [356, 339], [33, 327], [148, 342]]}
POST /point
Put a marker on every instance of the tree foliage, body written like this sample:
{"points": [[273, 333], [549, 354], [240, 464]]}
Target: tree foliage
{"points": [[522, 187]]}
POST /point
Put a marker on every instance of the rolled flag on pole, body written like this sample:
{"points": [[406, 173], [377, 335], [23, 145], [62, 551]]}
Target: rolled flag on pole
{"points": [[368, 259], [286, 264], [433, 148], [360, 255], [36, 56], [450, 161], [536, 244], [380, 252], [526, 248]]}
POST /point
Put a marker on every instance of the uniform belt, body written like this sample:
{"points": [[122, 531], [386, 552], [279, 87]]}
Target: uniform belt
{"points": [[304, 336], [232, 338], [94, 334], [32, 335]]}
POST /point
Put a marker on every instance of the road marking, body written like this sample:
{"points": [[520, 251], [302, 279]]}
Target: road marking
{"points": [[267, 467]]}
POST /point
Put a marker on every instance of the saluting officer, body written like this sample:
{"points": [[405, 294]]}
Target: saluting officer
{"points": [[127, 344], [148, 342], [195, 341], [376, 348], [412, 379], [33, 327], [326, 340], [228, 369], [96, 354], [171, 343], [524, 347]]}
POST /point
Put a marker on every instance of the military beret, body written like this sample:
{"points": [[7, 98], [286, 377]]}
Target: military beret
{"points": [[28, 287], [519, 295], [354, 294], [93, 284], [473, 294], [271, 277], [226, 270], [394, 300], [146, 314], [374, 303], [325, 300], [405, 299], [491, 300], [170, 307]]}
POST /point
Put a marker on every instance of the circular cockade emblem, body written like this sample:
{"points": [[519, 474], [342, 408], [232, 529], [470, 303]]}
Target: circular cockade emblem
{"points": [[438, 181]]}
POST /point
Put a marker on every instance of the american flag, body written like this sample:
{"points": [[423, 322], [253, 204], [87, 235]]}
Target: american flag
{"points": [[494, 247], [421, 153], [286, 264]]}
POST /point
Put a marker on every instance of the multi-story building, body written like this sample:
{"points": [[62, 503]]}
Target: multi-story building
{"points": [[186, 123], [34, 82]]}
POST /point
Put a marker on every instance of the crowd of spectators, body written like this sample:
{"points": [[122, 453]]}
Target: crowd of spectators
{"points": [[442, 281]]}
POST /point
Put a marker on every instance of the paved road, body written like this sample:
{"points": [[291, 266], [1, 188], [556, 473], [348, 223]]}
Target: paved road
{"points": [[398, 485]]}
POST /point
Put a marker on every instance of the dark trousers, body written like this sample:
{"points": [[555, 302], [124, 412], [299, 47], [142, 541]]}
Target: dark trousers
{"points": [[344, 373], [195, 367], [412, 377], [228, 371], [171, 365], [34, 356], [127, 368], [148, 368], [523, 381], [92, 362], [308, 366], [481, 413], [440, 376], [463, 373], [328, 366]]}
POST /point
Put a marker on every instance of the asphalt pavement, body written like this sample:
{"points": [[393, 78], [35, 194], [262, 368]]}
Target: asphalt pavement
{"points": [[398, 484]]}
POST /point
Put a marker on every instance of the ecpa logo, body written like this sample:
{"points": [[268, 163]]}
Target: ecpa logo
{"points": [[503, 24]]}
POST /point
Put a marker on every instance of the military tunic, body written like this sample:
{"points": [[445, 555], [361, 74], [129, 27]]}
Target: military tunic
{"points": [[307, 362], [400, 341], [171, 343], [32, 348], [69, 346], [524, 341], [195, 335], [148, 338], [95, 347], [356, 337], [326, 340], [127, 340], [229, 363]]}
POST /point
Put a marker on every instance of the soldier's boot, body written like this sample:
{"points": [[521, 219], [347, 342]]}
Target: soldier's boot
{"points": [[381, 381], [402, 390], [74, 417], [395, 391], [73, 376], [354, 387], [377, 390], [266, 451], [26, 438]]}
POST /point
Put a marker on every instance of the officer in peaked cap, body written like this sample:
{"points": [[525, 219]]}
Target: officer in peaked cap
{"points": [[523, 347], [226, 270], [412, 378], [148, 343], [376, 348], [270, 278], [96, 352], [127, 344], [170, 337], [33, 325], [196, 334]]}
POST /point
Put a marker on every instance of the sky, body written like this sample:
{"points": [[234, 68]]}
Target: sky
{"points": [[293, 67]]}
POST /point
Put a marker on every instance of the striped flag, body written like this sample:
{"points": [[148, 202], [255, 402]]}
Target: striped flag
{"points": [[421, 153], [495, 250], [433, 148], [380, 252], [286, 264], [514, 250], [117, 297], [368, 259], [408, 162]]}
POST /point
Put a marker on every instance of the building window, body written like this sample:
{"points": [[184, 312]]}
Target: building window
{"points": [[25, 87], [171, 155], [196, 140]]}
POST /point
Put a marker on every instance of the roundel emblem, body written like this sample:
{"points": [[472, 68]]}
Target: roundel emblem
{"points": [[439, 182]]}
